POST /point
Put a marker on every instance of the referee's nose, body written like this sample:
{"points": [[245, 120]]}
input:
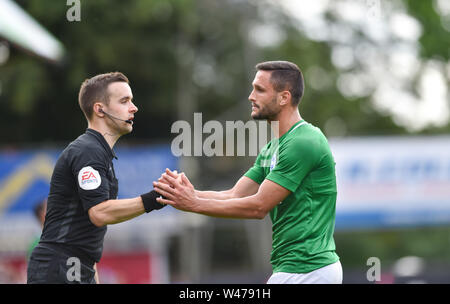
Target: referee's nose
{"points": [[133, 108]]}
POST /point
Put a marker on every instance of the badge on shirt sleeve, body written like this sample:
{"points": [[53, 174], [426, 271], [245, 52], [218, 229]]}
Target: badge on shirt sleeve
{"points": [[89, 178], [273, 161]]}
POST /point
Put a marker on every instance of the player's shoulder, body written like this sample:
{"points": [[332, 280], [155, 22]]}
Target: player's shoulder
{"points": [[306, 133], [307, 128]]}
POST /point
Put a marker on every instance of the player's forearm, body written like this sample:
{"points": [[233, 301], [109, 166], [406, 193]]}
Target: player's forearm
{"points": [[218, 195], [116, 211], [243, 188], [240, 208]]}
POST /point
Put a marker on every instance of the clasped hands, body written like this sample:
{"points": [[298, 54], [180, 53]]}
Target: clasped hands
{"points": [[177, 191]]}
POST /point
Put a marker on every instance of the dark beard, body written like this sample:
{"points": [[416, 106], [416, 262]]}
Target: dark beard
{"points": [[266, 113], [260, 116]]}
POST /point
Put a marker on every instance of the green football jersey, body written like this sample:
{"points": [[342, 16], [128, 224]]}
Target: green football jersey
{"points": [[303, 223]]}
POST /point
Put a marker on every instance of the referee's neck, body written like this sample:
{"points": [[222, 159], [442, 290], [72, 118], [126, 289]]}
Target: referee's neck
{"points": [[110, 136]]}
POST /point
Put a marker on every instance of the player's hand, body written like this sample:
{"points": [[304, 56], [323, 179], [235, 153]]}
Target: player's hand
{"points": [[178, 192], [164, 177]]}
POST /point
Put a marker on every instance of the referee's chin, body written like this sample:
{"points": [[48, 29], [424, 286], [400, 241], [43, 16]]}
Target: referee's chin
{"points": [[127, 129]]}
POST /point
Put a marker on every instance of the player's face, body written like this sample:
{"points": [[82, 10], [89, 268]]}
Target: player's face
{"points": [[121, 106], [263, 97]]}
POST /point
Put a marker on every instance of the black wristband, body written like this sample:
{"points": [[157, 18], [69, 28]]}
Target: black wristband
{"points": [[149, 201]]}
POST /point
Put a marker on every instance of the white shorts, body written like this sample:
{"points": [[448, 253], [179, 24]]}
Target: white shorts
{"points": [[330, 274]]}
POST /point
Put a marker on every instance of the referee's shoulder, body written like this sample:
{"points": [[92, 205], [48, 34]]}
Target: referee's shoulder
{"points": [[84, 146]]}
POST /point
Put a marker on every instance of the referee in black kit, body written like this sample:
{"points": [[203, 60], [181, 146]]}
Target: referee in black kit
{"points": [[83, 188]]}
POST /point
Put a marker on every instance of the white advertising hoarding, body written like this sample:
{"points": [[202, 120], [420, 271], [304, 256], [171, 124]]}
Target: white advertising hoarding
{"points": [[392, 181]]}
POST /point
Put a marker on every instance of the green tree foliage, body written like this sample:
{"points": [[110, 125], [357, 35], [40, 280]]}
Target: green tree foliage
{"points": [[182, 56]]}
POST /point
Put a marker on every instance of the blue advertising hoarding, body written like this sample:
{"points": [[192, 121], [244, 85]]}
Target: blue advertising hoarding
{"points": [[25, 175], [382, 181]]}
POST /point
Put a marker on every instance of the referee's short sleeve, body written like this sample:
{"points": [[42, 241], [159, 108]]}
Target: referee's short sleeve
{"points": [[90, 174]]}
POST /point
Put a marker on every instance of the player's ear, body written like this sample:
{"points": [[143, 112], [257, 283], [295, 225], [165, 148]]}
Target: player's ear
{"points": [[284, 98]]}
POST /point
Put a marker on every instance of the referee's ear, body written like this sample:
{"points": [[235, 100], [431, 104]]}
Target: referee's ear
{"points": [[98, 109]]}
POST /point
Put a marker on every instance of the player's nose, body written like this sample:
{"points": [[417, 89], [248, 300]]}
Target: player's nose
{"points": [[251, 97]]}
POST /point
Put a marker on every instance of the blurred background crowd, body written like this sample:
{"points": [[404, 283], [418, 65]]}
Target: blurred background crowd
{"points": [[376, 77]]}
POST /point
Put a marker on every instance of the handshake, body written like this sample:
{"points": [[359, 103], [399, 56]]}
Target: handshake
{"points": [[172, 188]]}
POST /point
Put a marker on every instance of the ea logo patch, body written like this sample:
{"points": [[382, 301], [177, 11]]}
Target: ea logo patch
{"points": [[89, 178]]}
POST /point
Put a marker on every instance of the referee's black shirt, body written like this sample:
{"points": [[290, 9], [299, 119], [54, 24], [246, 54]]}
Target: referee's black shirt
{"points": [[83, 177]]}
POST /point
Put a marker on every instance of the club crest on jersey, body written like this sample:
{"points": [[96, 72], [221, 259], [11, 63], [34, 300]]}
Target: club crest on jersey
{"points": [[273, 161], [89, 178]]}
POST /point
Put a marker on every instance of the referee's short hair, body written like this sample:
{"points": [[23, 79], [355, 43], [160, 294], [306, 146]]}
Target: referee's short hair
{"points": [[96, 89], [285, 76]]}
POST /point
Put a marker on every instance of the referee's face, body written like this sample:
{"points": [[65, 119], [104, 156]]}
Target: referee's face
{"points": [[121, 106], [263, 97]]}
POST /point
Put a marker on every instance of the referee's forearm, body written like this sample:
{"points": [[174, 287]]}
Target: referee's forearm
{"points": [[116, 211]]}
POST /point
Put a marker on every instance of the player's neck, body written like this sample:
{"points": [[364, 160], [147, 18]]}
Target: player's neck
{"points": [[285, 121], [110, 136]]}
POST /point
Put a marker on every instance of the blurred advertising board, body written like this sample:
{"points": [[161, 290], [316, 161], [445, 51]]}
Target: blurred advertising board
{"points": [[382, 181], [24, 181], [392, 181], [25, 175]]}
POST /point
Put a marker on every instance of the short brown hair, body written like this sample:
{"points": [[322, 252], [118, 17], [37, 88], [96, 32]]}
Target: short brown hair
{"points": [[96, 89], [285, 76]]}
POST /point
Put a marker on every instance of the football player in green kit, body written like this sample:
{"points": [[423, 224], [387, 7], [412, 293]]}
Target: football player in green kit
{"points": [[293, 179]]}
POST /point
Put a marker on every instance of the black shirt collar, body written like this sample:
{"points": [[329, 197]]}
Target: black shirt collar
{"points": [[102, 140]]}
